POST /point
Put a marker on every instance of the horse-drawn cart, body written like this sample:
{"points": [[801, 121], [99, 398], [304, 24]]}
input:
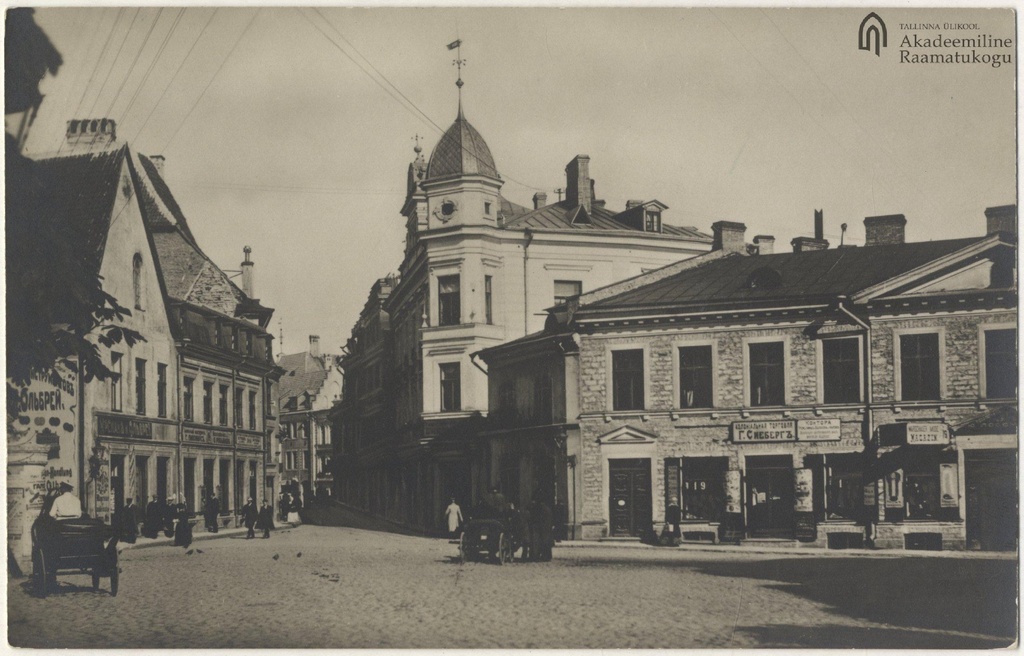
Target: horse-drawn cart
{"points": [[73, 546]]}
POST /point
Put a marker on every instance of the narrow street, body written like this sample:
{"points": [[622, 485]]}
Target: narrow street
{"points": [[347, 588]]}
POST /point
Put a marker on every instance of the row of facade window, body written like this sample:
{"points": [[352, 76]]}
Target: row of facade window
{"points": [[141, 378], [449, 304], [919, 371], [188, 403], [296, 460]]}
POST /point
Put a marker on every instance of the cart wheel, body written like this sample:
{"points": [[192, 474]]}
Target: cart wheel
{"points": [[114, 575], [462, 549], [502, 549], [95, 580], [39, 576]]}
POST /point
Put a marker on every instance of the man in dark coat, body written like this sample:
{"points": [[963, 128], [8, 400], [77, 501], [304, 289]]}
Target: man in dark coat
{"points": [[541, 536], [154, 519], [183, 530], [169, 512], [266, 518], [249, 517], [211, 512], [129, 521]]}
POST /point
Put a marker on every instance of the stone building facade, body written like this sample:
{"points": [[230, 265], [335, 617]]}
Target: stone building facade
{"points": [[835, 397]]}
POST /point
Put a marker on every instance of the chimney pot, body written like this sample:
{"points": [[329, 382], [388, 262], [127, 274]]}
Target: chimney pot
{"points": [[158, 163], [540, 199], [728, 236], [1001, 219], [885, 230], [91, 133], [248, 276], [630, 204], [577, 182], [765, 244]]}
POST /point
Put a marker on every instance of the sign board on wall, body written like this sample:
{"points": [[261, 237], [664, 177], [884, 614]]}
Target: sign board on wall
{"points": [[250, 441], [818, 430], [117, 426], [869, 493], [949, 485], [927, 433], [764, 431], [46, 414]]}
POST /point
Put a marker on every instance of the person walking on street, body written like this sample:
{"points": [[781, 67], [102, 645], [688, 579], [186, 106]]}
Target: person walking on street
{"points": [[282, 506], [293, 511], [129, 521], [183, 529], [541, 521], [153, 519], [266, 518], [249, 516], [454, 516], [168, 510], [211, 513]]}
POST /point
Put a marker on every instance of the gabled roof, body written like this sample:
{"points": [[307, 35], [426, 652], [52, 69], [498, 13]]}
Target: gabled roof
{"points": [[79, 191], [461, 151], [793, 276], [158, 220], [304, 373], [560, 215]]}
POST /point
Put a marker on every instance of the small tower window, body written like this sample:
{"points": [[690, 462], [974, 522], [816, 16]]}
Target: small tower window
{"points": [[137, 280], [487, 208], [652, 221]]}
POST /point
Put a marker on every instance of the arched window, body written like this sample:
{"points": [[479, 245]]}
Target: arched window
{"points": [[137, 280]]}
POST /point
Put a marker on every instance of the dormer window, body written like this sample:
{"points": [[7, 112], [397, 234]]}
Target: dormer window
{"points": [[652, 221]]}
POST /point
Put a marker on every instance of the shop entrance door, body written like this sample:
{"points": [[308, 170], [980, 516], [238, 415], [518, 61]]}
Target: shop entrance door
{"points": [[117, 480], [991, 495], [770, 496], [630, 500]]}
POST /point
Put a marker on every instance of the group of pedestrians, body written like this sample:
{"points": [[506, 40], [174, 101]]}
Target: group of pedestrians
{"points": [[170, 517], [288, 507], [257, 519]]}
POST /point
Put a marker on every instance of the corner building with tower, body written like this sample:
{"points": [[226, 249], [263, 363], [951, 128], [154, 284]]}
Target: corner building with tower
{"points": [[478, 271]]}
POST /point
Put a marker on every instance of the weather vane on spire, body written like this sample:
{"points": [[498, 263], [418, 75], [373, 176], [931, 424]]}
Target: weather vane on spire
{"points": [[459, 62]]}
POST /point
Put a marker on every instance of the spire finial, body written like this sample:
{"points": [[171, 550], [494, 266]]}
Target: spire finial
{"points": [[458, 62], [417, 148]]}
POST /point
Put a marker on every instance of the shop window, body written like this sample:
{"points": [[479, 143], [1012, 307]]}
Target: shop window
{"points": [[921, 494], [140, 387], [448, 308], [840, 364], [628, 380], [919, 367], [451, 387], [566, 289], [1001, 364], [161, 390], [930, 488], [767, 374], [844, 486], [703, 487], [115, 382], [695, 377], [222, 406], [187, 402]]}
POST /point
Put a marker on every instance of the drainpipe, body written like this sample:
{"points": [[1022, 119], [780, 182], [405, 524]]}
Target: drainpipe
{"points": [[869, 424], [526, 258]]}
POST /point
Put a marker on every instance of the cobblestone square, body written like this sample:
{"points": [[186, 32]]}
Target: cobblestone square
{"points": [[331, 587]]}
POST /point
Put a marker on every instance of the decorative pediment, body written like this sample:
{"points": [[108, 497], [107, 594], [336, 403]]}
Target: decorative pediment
{"points": [[627, 435], [977, 275]]}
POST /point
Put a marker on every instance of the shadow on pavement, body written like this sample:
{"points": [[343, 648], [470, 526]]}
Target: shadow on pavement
{"points": [[332, 513], [836, 636]]}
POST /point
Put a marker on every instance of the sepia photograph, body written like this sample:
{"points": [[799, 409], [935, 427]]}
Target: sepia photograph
{"points": [[465, 327]]}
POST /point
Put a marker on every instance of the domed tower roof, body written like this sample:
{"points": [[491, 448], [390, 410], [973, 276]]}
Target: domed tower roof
{"points": [[461, 151]]}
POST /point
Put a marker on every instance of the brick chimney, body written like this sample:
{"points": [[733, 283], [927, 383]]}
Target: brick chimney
{"points": [[1001, 219], [884, 230], [99, 133], [728, 236], [247, 274], [540, 199], [818, 243], [630, 204], [765, 244], [577, 182], [314, 345]]}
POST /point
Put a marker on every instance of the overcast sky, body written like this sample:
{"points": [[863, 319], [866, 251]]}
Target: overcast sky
{"points": [[275, 138]]}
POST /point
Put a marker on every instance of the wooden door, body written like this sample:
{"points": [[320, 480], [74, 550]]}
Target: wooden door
{"points": [[770, 502], [630, 499]]}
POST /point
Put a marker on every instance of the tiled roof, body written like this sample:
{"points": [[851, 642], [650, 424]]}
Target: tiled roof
{"points": [[166, 197], [559, 216], [303, 373], [787, 276], [80, 192], [461, 151]]}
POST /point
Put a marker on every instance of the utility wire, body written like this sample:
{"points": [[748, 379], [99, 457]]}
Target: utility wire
{"points": [[135, 62], [422, 115], [113, 63], [92, 75], [217, 72], [176, 72], [152, 64]]}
